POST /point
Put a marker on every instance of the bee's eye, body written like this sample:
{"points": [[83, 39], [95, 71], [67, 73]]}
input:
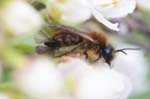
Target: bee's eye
{"points": [[107, 54], [108, 50]]}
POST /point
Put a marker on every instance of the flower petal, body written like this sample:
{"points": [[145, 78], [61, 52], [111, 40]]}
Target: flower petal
{"points": [[122, 9], [100, 18], [103, 83], [69, 12]]}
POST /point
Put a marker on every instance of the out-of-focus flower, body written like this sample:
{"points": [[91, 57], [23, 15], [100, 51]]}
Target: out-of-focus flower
{"points": [[39, 79], [69, 12], [77, 11], [134, 66], [71, 69], [4, 96], [143, 4], [90, 82], [72, 66], [103, 83], [19, 17]]}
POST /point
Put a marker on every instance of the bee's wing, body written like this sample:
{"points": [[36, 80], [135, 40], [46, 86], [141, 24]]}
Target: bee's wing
{"points": [[72, 30], [40, 37]]}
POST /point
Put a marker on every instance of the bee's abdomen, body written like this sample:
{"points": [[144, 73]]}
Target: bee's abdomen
{"points": [[67, 39]]}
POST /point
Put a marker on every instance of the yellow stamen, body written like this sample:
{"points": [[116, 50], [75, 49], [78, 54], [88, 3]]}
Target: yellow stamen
{"points": [[61, 1], [114, 3]]}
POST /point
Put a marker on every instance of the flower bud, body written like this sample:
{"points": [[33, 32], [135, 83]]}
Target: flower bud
{"points": [[19, 17], [39, 78]]}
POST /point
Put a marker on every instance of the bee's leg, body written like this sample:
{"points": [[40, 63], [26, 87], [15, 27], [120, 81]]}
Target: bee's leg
{"points": [[53, 52], [79, 46], [86, 54]]}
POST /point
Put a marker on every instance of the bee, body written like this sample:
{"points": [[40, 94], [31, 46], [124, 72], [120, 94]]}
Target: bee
{"points": [[66, 36]]}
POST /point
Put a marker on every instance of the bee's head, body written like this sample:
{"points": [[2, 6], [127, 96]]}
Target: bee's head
{"points": [[108, 54]]}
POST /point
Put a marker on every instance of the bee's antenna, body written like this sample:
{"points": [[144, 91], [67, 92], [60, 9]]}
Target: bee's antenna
{"points": [[122, 50]]}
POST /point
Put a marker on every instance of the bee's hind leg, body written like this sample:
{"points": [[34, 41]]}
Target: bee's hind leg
{"points": [[99, 56], [86, 54], [70, 50]]}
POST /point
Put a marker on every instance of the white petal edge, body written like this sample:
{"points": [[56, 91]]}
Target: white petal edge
{"points": [[101, 18]]}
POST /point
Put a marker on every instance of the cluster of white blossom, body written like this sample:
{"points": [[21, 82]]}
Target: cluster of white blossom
{"points": [[71, 78], [20, 17], [78, 11]]}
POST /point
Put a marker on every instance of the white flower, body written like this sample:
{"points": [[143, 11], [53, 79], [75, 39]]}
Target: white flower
{"points": [[73, 66], [115, 8], [94, 81], [134, 66], [102, 9], [77, 11], [70, 12], [71, 69], [39, 78], [19, 17], [103, 83]]}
